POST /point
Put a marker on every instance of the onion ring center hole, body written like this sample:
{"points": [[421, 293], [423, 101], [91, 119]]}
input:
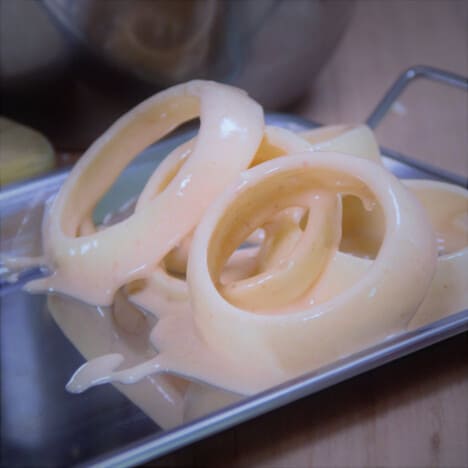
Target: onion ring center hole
{"points": [[266, 246], [258, 202], [363, 230], [118, 203]]}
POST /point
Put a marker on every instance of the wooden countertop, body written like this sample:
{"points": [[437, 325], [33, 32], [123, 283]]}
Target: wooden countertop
{"points": [[413, 412]]}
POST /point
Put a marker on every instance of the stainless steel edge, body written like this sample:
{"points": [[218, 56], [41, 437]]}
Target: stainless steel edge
{"points": [[39, 183], [291, 122], [408, 76], [429, 169], [344, 369], [296, 123]]}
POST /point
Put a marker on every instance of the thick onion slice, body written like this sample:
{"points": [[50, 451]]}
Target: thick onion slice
{"points": [[290, 277], [447, 206], [356, 302], [355, 140], [94, 266], [276, 141], [381, 303], [359, 238]]}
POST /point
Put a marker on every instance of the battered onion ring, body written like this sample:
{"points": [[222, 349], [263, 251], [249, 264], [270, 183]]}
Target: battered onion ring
{"points": [[276, 141], [289, 278], [93, 267], [382, 302], [447, 206]]}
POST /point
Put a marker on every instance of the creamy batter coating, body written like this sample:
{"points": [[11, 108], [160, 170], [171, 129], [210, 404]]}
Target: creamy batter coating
{"points": [[341, 254], [86, 266]]}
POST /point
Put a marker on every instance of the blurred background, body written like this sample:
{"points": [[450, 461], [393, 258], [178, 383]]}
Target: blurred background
{"points": [[69, 68]]}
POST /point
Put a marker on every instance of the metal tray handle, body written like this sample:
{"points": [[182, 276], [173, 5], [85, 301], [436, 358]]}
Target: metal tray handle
{"points": [[382, 108]]}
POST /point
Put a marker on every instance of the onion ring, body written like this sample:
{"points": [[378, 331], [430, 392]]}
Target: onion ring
{"points": [[382, 302], [86, 267]]}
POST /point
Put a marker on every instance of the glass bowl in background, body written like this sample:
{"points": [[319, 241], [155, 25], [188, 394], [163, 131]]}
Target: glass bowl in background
{"points": [[119, 52]]}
